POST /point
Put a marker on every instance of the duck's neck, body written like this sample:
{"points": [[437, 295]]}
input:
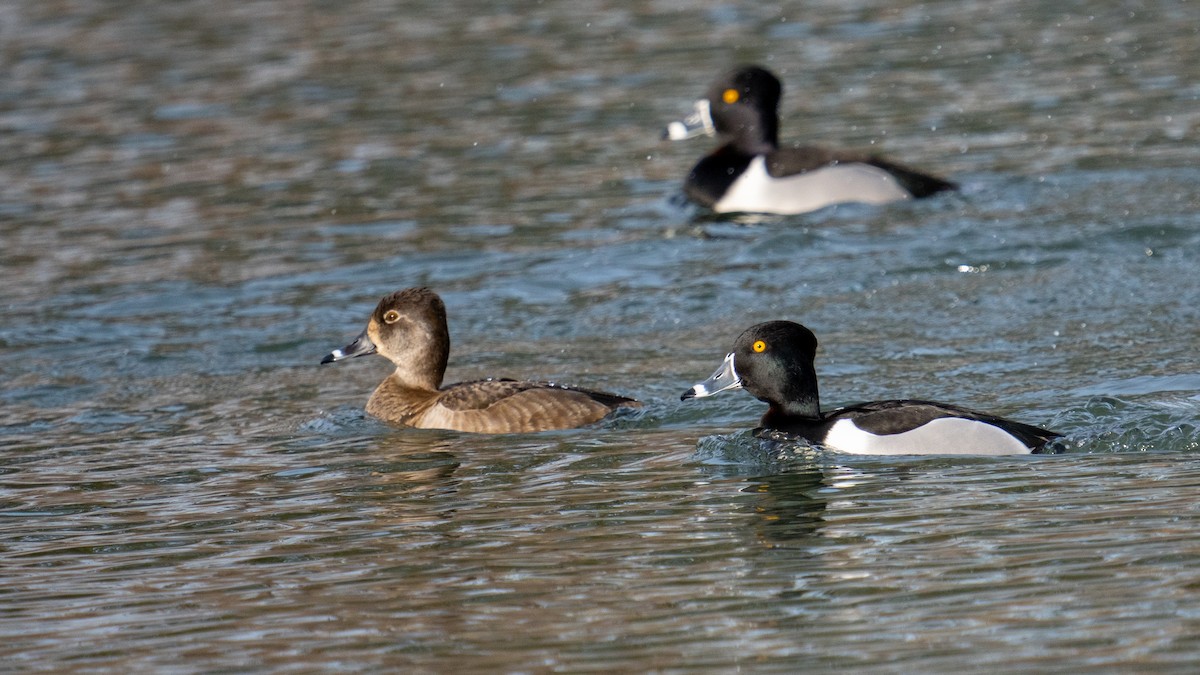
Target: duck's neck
{"points": [[751, 143], [395, 401], [408, 380], [751, 134], [770, 132], [422, 365], [799, 398]]}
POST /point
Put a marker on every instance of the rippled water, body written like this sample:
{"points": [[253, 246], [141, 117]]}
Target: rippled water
{"points": [[199, 200]]}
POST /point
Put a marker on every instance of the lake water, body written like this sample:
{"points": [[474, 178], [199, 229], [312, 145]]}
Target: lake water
{"points": [[199, 200]]}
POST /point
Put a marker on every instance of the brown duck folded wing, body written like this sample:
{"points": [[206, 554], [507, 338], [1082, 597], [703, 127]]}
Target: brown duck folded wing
{"points": [[509, 406]]}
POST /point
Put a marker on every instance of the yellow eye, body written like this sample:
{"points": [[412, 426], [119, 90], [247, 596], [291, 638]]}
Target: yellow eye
{"points": [[730, 96], [391, 316], [759, 346]]}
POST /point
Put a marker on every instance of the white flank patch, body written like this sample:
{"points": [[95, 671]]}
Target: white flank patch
{"points": [[756, 191], [943, 436]]}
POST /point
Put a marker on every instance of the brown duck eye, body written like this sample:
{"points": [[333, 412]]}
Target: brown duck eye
{"points": [[759, 346], [730, 96], [391, 316]]}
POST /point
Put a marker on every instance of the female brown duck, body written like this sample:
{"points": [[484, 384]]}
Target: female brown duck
{"points": [[409, 328]]}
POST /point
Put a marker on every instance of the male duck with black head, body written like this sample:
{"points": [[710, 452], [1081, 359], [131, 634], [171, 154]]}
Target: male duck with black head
{"points": [[774, 362], [409, 328], [750, 173]]}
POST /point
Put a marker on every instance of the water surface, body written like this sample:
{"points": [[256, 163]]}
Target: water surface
{"points": [[199, 201]]}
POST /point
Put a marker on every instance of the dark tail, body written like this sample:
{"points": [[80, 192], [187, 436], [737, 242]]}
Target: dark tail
{"points": [[919, 184]]}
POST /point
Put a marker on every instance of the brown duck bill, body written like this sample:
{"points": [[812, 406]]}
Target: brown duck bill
{"points": [[362, 346], [724, 378]]}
